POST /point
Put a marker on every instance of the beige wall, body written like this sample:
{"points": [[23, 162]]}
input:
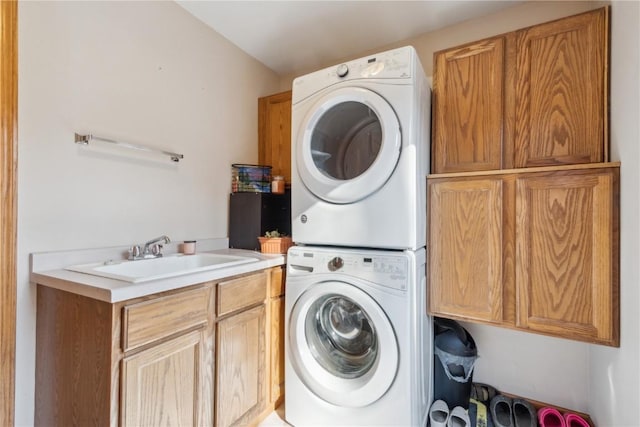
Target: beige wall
{"points": [[145, 72], [614, 397], [512, 18], [600, 380]]}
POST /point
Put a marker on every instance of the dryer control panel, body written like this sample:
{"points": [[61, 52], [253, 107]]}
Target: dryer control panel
{"points": [[382, 268], [397, 64]]}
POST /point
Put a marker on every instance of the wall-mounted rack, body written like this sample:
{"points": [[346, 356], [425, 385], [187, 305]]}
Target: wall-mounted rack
{"points": [[85, 139]]}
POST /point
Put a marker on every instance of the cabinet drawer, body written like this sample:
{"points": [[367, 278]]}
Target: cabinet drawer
{"points": [[242, 292], [158, 318]]}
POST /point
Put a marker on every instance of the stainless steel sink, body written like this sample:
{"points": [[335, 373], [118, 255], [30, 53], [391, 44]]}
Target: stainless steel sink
{"points": [[160, 268]]}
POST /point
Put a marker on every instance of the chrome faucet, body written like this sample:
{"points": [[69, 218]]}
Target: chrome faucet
{"points": [[151, 249]]}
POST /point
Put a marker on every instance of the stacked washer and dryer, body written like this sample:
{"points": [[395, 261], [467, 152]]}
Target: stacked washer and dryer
{"points": [[358, 346]]}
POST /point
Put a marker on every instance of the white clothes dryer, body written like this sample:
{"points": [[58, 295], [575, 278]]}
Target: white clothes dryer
{"points": [[358, 341], [360, 153]]}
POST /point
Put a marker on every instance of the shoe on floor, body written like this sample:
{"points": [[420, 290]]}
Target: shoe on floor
{"points": [[524, 414], [501, 411], [551, 417], [438, 414], [479, 414], [483, 393], [575, 420], [459, 418]]}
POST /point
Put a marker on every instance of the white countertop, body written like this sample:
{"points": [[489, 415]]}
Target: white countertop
{"points": [[47, 268]]}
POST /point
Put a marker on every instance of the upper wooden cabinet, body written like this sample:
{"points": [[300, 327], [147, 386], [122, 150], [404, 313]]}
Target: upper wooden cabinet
{"points": [[468, 107], [534, 97], [561, 84], [536, 251], [274, 133]]}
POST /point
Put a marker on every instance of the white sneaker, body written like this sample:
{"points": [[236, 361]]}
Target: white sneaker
{"points": [[459, 417], [438, 414]]}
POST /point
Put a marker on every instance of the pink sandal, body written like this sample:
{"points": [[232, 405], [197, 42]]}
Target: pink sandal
{"points": [[551, 417], [575, 420]]}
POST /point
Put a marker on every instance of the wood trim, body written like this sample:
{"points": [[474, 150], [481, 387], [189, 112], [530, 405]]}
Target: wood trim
{"points": [[606, 83], [8, 217], [274, 133], [525, 170]]}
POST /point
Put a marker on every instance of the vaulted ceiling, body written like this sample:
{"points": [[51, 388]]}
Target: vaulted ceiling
{"points": [[293, 36]]}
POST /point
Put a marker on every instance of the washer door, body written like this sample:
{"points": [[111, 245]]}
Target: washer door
{"points": [[342, 344], [349, 145]]}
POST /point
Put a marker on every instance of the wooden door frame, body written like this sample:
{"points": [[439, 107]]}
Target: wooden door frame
{"points": [[8, 212]]}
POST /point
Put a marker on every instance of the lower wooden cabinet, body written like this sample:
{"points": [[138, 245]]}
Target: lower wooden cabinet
{"points": [[241, 391], [161, 386], [275, 354], [466, 248], [536, 251], [194, 356], [567, 254]]}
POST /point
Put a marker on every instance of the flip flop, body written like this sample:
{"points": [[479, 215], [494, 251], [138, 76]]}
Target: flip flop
{"points": [[483, 393], [575, 420], [551, 417], [524, 414], [501, 412]]}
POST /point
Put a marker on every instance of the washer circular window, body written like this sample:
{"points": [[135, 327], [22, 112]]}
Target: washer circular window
{"points": [[341, 336], [342, 345], [348, 146]]}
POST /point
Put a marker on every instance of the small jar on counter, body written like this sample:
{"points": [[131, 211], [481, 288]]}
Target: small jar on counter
{"points": [[189, 247], [277, 185]]}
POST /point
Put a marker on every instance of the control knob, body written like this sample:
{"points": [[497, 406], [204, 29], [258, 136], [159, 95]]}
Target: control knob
{"points": [[336, 263], [342, 70]]}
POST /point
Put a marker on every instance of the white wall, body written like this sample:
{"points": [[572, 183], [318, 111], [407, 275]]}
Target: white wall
{"points": [[614, 399], [600, 380], [144, 72]]}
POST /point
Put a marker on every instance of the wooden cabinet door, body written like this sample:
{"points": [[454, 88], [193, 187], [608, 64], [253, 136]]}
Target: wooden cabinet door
{"points": [[561, 86], [275, 336], [161, 385], [567, 254], [465, 248], [274, 133], [277, 350], [468, 107], [241, 389]]}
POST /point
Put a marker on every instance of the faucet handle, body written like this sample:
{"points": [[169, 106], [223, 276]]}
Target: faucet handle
{"points": [[134, 252], [156, 250]]}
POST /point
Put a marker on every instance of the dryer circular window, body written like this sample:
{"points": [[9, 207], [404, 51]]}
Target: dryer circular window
{"points": [[349, 145], [343, 346]]}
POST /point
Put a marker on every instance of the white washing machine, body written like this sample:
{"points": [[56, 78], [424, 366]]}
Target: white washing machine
{"points": [[358, 347], [360, 153]]}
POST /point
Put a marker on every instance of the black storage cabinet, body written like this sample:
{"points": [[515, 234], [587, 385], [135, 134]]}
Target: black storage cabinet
{"points": [[253, 214]]}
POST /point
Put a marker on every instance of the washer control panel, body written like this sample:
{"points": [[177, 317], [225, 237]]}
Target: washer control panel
{"points": [[385, 269]]}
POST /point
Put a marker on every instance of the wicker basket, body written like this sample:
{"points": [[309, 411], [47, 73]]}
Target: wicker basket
{"points": [[275, 245]]}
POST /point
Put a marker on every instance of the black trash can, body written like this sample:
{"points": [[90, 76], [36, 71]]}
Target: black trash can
{"points": [[454, 357]]}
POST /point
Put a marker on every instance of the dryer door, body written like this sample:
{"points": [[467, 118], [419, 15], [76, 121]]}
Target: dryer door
{"points": [[342, 345], [348, 146]]}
